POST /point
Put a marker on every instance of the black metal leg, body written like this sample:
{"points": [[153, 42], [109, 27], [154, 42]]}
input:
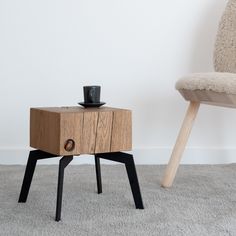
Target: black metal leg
{"points": [[63, 164], [98, 174], [133, 180], [128, 160], [125, 158], [29, 172]]}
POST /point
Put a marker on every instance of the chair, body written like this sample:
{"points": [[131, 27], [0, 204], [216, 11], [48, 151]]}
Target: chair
{"points": [[216, 88]]}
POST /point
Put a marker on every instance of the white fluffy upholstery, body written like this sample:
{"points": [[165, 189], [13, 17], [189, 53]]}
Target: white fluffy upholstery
{"points": [[225, 47], [224, 80], [215, 81]]}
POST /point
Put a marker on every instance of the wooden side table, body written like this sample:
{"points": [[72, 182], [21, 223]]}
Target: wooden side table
{"points": [[72, 131]]}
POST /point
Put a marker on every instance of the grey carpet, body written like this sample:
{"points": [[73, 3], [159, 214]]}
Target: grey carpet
{"points": [[201, 202]]}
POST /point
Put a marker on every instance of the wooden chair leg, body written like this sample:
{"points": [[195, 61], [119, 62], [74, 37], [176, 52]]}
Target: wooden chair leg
{"points": [[180, 144]]}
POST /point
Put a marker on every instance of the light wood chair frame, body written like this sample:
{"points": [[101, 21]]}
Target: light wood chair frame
{"points": [[180, 144]]}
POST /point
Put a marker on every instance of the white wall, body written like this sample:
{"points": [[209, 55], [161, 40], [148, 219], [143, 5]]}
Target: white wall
{"points": [[134, 49]]}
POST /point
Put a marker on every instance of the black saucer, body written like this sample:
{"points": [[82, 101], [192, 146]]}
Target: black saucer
{"points": [[91, 104]]}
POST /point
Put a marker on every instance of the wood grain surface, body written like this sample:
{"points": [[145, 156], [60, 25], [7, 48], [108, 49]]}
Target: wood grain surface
{"points": [[70, 128], [121, 131], [89, 132], [93, 130], [104, 128]]}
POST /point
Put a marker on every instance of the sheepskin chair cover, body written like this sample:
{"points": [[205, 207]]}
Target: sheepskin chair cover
{"points": [[224, 79], [214, 81], [225, 47]]}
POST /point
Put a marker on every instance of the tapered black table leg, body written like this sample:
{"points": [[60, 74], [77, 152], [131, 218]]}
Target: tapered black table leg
{"points": [[133, 180], [98, 174], [128, 160], [62, 165], [29, 172]]}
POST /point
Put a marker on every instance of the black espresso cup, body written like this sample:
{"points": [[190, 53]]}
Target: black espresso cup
{"points": [[92, 94]]}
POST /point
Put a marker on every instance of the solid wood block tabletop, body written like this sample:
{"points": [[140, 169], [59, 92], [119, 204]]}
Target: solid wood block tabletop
{"points": [[75, 130]]}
